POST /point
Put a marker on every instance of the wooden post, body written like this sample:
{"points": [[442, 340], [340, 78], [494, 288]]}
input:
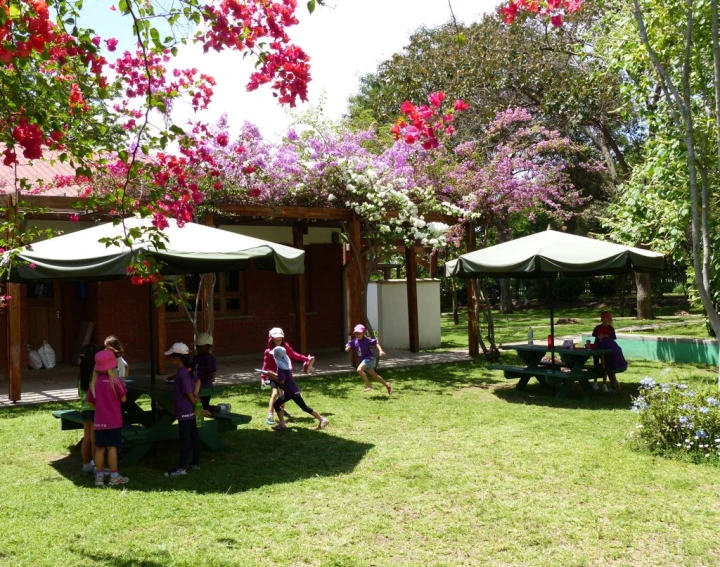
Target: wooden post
{"points": [[207, 289], [473, 347], [14, 341], [300, 293], [354, 282], [433, 263], [412, 301]]}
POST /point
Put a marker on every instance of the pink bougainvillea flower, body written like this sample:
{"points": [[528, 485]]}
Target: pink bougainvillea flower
{"points": [[32, 266], [436, 98], [461, 105], [553, 5], [111, 44], [557, 20], [509, 12]]}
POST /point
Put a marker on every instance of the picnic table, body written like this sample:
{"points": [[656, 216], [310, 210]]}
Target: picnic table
{"points": [[143, 428], [572, 369]]}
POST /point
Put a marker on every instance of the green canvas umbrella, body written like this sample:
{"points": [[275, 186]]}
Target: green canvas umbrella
{"points": [[549, 253], [190, 249]]}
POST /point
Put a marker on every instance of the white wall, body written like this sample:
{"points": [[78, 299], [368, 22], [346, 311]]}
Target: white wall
{"points": [[387, 311]]}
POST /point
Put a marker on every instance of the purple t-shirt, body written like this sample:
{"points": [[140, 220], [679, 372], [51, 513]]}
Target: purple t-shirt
{"points": [[108, 409], [288, 384], [363, 347], [182, 386], [204, 366]]}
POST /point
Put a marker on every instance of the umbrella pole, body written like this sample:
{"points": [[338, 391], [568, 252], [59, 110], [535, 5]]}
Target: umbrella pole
{"points": [[552, 326], [153, 346]]}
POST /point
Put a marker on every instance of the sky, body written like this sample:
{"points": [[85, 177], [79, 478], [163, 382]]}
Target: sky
{"points": [[345, 41]]}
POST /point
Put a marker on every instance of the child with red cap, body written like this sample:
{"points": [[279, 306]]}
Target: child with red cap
{"points": [[605, 338], [363, 345]]}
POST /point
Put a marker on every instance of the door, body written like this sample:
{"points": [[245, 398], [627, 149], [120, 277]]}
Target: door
{"points": [[44, 316]]}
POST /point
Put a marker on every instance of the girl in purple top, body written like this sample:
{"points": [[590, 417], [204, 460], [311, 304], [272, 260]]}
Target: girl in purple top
{"points": [[184, 401], [363, 346], [107, 392], [204, 367], [290, 391], [605, 338]]}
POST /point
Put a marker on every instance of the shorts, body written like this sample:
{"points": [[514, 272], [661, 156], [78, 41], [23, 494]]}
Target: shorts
{"points": [[88, 415], [273, 384], [108, 437], [369, 363]]}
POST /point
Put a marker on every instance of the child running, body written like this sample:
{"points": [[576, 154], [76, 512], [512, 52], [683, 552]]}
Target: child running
{"points": [[277, 338], [204, 366], [107, 392], [363, 346], [290, 390], [87, 446], [184, 405], [113, 343]]}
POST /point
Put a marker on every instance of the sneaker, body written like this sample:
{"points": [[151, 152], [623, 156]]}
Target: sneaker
{"points": [[323, 423], [280, 426], [99, 480], [604, 388], [175, 472], [194, 467], [389, 388], [89, 468], [270, 420], [308, 365], [118, 480]]}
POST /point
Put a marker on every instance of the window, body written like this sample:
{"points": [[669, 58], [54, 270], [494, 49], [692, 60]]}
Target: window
{"points": [[229, 296]]}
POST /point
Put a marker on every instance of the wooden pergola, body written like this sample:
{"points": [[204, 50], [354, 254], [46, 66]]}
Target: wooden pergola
{"points": [[297, 217]]}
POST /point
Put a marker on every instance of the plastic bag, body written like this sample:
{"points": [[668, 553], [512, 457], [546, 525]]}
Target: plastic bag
{"points": [[34, 360], [47, 355]]}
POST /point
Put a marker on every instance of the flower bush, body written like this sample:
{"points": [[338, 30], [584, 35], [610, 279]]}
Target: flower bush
{"points": [[677, 420]]}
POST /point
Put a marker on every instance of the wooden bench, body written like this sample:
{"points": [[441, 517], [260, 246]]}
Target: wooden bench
{"points": [[69, 419], [551, 377]]}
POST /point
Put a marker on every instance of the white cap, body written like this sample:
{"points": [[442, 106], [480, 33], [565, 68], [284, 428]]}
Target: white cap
{"points": [[178, 348], [204, 339], [277, 333]]}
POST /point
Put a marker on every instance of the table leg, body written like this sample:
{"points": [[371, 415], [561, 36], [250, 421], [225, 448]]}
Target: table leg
{"points": [[565, 389], [133, 455], [522, 382], [209, 437], [587, 386]]}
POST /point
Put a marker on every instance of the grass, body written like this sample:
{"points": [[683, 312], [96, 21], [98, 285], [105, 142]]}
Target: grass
{"points": [[456, 468], [513, 327]]}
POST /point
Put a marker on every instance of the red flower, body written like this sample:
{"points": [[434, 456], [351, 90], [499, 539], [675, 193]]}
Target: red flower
{"points": [[111, 43], [222, 140], [136, 280], [255, 192], [461, 105], [557, 20], [437, 98], [509, 12]]}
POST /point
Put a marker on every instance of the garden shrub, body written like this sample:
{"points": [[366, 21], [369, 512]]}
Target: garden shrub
{"points": [[677, 420]]}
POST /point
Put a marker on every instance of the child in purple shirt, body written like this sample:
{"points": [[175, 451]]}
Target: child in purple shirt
{"points": [[290, 391], [204, 367], [107, 391], [363, 345], [184, 401]]}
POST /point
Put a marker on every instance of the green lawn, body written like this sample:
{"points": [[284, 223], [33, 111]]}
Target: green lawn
{"points": [[514, 327], [456, 468]]}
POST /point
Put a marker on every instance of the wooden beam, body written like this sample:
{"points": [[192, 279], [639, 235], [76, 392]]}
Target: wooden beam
{"points": [[433, 270], [300, 294], [473, 346], [14, 341], [412, 300]]}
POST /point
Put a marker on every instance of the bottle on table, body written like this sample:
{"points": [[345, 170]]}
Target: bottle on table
{"points": [[530, 335], [199, 415]]}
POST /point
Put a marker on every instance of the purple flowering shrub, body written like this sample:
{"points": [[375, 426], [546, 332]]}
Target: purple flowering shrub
{"points": [[675, 419]]}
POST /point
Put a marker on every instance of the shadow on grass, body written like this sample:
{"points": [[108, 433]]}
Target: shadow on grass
{"points": [[252, 459], [97, 557]]}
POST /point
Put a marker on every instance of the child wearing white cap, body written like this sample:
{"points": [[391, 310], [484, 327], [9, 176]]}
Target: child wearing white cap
{"points": [[277, 338]]}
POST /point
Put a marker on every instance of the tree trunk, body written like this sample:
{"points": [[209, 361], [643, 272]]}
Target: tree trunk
{"points": [[506, 304], [644, 297]]}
